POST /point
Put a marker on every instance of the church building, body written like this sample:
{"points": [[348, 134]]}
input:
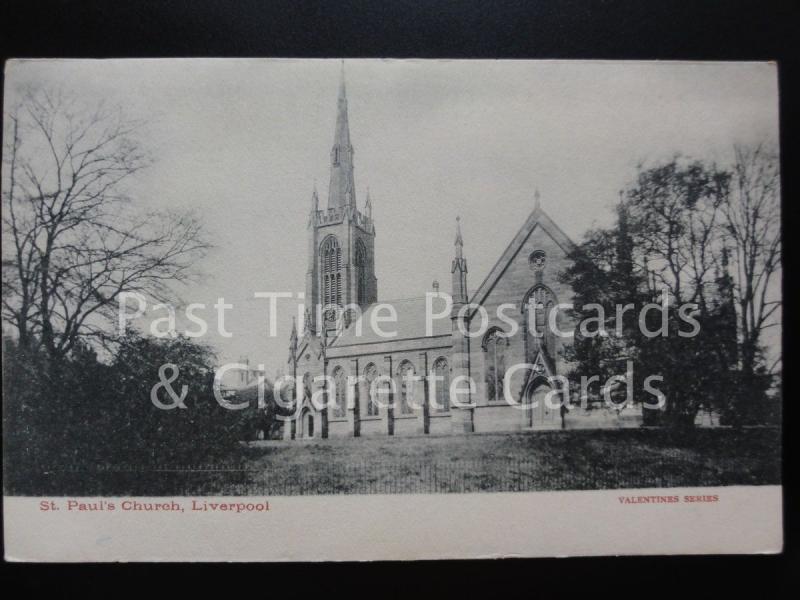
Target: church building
{"points": [[342, 345]]}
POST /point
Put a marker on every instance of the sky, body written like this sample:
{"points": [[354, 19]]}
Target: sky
{"points": [[242, 142]]}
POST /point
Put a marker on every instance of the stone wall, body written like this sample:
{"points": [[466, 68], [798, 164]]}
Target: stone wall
{"points": [[512, 286]]}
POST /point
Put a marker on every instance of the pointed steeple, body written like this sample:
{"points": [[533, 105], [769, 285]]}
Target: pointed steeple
{"points": [[342, 186], [459, 268], [537, 202]]}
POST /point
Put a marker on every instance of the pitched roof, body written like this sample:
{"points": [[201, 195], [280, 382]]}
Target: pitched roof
{"points": [[537, 218], [410, 322]]}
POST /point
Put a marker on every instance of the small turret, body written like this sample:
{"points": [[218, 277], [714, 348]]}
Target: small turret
{"points": [[293, 340], [459, 268], [461, 421]]}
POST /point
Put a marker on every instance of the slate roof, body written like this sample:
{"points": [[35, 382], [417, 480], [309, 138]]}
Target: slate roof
{"points": [[410, 322]]}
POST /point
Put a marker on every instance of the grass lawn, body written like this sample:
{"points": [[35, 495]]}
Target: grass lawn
{"points": [[542, 460], [526, 461]]}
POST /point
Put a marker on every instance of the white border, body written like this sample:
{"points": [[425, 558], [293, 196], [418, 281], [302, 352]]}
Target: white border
{"points": [[745, 520]]}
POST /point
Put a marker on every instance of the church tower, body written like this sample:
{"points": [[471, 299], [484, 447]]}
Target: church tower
{"points": [[341, 249]]}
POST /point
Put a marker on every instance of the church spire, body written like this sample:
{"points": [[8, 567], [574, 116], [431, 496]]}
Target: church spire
{"points": [[342, 187]]}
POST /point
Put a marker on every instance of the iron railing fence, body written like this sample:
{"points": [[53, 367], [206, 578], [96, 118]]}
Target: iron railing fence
{"points": [[401, 476]]}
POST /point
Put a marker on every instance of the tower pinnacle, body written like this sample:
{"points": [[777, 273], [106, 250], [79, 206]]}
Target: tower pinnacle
{"points": [[293, 339], [312, 215], [459, 243], [459, 268]]}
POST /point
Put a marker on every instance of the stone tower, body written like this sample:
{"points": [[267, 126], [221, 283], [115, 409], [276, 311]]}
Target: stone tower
{"points": [[341, 247]]}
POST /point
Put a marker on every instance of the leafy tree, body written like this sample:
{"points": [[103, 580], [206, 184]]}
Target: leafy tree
{"points": [[104, 413], [665, 243]]}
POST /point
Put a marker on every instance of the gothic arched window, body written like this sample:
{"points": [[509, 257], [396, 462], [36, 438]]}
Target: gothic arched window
{"points": [[538, 304], [494, 346], [406, 371], [361, 271], [336, 155], [340, 393], [370, 373], [441, 372], [330, 266]]}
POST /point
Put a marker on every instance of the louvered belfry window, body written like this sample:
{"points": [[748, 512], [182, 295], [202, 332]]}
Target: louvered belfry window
{"points": [[361, 272], [330, 257]]}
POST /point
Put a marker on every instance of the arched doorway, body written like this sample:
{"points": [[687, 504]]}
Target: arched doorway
{"points": [[306, 424], [537, 411]]}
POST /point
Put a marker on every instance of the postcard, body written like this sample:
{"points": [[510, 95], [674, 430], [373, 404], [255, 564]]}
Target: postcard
{"points": [[354, 310]]}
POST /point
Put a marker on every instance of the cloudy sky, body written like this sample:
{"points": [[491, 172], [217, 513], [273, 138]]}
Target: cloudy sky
{"points": [[243, 141]]}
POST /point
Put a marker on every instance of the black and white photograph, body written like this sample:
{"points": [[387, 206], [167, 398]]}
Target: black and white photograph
{"points": [[229, 281]]}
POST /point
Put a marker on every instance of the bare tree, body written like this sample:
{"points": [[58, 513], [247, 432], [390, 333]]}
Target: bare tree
{"points": [[72, 242], [753, 220], [675, 216]]}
